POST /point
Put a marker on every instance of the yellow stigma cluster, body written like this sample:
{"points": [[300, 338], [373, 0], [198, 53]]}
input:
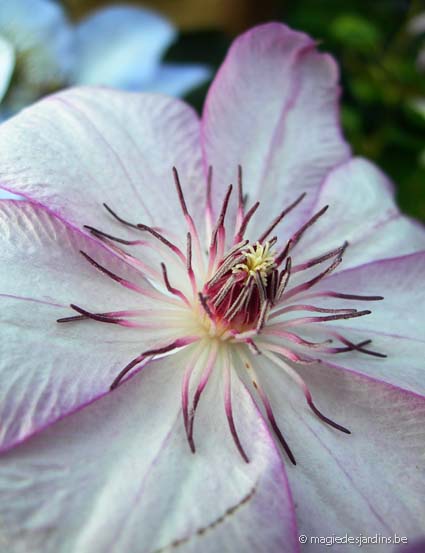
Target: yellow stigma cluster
{"points": [[258, 259]]}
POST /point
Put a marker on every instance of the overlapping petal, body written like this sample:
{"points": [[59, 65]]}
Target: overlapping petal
{"points": [[47, 370], [103, 479], [362, 211], [399, 280], [393, 325], [273, 109], [78, 149], [366, 483]]}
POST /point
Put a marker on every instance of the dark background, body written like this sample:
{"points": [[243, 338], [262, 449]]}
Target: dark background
{"points": [[383, 102]]}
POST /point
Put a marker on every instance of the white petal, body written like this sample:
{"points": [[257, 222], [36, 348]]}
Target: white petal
{"points": [[48, 369], [83, 147], [273, 108], [365, 483], [119, 477], [362, 210], [399, 280]]}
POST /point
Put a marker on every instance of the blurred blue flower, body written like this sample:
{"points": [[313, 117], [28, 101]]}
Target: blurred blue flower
{"points": [[119, 46]]}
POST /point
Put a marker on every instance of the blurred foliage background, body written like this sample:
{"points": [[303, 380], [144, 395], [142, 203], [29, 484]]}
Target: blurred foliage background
{"points": [[383, 80]]}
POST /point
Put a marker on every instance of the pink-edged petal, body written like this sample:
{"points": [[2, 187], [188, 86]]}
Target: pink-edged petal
{"points": [[140, 488], [403, 365], [362, 210], [399, 280], [365, 483], [49, 369], [80, 148], [273, 109]]}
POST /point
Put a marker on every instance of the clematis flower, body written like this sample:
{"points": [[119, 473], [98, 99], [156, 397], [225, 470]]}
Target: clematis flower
{"points": [[191, 366], [120, 46]]}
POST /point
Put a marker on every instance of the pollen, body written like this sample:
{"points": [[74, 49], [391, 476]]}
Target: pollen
{"points": [[259, 258]]}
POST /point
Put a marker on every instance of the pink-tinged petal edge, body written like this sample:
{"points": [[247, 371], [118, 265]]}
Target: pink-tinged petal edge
{"points": [[77, 149], [261, 91], [45, 267]]}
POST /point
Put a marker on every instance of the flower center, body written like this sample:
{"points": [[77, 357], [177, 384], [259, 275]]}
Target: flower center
{"points": [[258, 259], [231, 305], [244, 285]]}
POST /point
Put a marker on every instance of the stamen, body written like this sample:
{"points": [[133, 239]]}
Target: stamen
{"points": [[310, 283], [222, 293], [329, 294], [113, 276], [218, 234], [298, 235], [317, 260], [180, 193], [279, 218], [185, 393], [189, 268], [220, 220], [358, 347], [272, 421], [226, 266], [263, 316], [234, 250], [305, 307], [298, 380], [205, 307], [289, 354], [260, 287], [100, 318], [123, 221], [279, 331], [338, 317], [189, 253], [189, 220], [228, 406], [180, 342], [201, 386], [268, 408], [321, 416], [164, 240], [247, 218], [102, 234], [236, 306], [283, 253], [167, 313], [272, 291], [283, 280], [170, 288]]}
